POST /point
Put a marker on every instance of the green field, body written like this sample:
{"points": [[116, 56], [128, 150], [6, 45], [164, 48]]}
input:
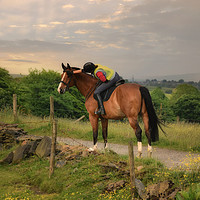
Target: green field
{"points": [[180, 136]]}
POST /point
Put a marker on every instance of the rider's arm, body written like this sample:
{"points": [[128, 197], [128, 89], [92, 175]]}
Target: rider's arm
{"points": [[77, 71], [101, 76]]}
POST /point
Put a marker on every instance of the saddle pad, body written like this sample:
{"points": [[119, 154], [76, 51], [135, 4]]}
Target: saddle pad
{"points": [[107, 93]]}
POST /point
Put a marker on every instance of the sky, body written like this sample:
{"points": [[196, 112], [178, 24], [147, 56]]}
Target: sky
{"points": [[136, 38]]}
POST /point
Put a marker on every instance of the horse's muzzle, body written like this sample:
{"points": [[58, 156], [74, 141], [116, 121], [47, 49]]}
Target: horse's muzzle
{"points": [[62, 91]]}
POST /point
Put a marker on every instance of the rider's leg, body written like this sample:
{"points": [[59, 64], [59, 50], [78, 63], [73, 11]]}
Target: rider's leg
{"points": [[101, 110]]}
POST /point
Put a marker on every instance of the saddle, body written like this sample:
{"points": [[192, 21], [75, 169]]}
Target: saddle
{"points": [[105, 95]]}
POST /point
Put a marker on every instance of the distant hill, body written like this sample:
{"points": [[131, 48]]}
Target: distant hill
{"points": [[186, 77]]}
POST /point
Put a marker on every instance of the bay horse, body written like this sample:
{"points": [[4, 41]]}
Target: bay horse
{"points": [[128, 100]]}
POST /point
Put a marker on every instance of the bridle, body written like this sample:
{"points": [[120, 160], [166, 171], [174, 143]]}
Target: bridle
{"points": [[67, 84], [88, 94]]}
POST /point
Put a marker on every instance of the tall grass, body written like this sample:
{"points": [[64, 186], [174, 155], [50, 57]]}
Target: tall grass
{"points": [[180, 136]]}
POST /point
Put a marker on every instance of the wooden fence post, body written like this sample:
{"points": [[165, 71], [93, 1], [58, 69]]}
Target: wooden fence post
{"points": [[51, 108], [53, 148], [15, 107], [132, 166]]}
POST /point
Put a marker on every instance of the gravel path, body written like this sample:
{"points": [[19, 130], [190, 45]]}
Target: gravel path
{"points": [[170, 158]]}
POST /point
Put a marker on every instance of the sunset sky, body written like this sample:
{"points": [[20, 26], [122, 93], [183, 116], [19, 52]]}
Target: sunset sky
{"points": [[135, 37]]}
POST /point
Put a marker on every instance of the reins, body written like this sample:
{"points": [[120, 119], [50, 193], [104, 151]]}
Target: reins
{"points": [[92, 90]]}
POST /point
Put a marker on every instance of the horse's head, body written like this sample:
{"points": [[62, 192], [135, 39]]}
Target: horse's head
{"points": [[66, 79]]}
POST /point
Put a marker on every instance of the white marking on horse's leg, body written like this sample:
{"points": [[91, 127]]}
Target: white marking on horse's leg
{"points": [[139, 149], [150, 150], [94, 148], [106, 146]]}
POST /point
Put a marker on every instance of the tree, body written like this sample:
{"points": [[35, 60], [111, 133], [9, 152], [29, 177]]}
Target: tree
{"points": [[6, 88], [35, 90], [182, 90], [162, 105], [187, 108]]}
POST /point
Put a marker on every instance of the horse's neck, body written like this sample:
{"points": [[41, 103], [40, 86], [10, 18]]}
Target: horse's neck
{"points": [[85, 83]]}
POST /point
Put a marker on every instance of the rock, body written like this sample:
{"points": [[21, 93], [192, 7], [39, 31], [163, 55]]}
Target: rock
{"points": [[109, 167], [60, 163], [44, 147], [140, 188], [173, 194], [8, 159], [85, 154], [139, 168], [20, 153], [29, 138], [9, 134], [159, 190], [33, 146], [122, 163], [114, 186]]}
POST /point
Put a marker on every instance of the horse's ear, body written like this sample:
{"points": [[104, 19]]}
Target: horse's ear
{"points": [[68, 66], [64, 67]]}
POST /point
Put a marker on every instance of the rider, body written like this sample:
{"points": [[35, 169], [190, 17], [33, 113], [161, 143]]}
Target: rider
{"points": [[108, 77]]}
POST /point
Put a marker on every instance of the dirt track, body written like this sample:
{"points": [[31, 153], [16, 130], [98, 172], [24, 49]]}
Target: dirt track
{"points": [[170, 158]]}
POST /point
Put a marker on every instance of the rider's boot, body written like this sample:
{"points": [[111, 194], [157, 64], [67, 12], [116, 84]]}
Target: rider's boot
{"points": [[101, 110]]}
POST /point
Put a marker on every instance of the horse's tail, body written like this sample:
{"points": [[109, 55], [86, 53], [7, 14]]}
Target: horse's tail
{"points": [[154, 122]]}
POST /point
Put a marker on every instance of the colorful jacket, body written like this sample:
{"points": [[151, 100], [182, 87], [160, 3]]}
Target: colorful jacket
{"points": [[101, 71]]}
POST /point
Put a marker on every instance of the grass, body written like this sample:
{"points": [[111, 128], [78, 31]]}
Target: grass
{"points": [[84, 178], [180, 136]]}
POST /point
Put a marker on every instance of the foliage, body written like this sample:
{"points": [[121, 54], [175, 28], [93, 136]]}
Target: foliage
{"points": [[6, 88], [162, 105], [34, 92], [193, 193], [182, 90], [187, 107], [35, 89]]}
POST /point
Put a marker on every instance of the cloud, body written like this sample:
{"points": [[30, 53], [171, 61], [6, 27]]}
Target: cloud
{"points": [[43, 26], [24, 61], [15, 26], [56, 23], [89, 21], [68, 6], [149, 36], [81, 32]]}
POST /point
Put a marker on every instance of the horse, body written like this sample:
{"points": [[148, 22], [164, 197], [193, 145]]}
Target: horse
{"points": [[128, 100]]}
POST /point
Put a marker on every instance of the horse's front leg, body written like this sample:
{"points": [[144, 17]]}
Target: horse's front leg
{"points": [[104, 123], [94, 122]]}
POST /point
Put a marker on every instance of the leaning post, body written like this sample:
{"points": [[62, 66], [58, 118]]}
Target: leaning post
{"points": [[53, 148], [132, 168], [15, 107]]}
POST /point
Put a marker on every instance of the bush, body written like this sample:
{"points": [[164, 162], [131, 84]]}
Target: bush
{"points": [[187, 108], [6, 89]]}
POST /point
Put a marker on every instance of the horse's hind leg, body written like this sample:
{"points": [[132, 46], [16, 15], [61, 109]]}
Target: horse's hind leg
{"points": [[148, 134], [104, 123], [138, 132]]}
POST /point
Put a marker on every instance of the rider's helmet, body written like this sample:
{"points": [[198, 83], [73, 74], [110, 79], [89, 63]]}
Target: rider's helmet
{"points": [[89, 67]]}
